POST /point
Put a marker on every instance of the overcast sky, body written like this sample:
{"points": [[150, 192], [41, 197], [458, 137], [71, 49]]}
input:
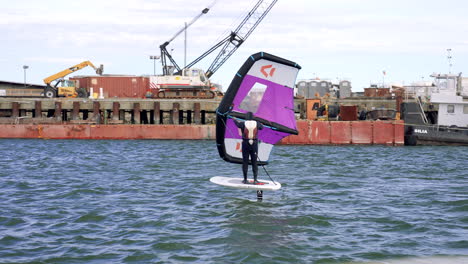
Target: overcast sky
{"points": [[330, 39]]}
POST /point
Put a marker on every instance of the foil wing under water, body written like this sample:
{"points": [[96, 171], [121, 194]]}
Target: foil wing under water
{"points": [[264, 85]]}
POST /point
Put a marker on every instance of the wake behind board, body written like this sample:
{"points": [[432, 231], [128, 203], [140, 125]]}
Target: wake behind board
{"points": [[237, 183]]}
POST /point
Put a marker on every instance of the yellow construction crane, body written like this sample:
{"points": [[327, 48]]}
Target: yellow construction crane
{"points": [[64, 87]]}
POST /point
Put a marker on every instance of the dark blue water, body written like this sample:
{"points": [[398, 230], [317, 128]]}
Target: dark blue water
{"points": [[78, 201]]}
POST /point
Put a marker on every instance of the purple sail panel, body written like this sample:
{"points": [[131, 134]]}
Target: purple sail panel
{"points": [[231, 130], [270, 136], [276, 103], [266, 135]]}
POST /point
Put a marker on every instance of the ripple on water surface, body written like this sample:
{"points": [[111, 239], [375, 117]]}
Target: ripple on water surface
{"points": [[149, 201]]}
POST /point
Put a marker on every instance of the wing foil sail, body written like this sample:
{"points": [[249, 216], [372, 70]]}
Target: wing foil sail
{"points": [[264, 85]]}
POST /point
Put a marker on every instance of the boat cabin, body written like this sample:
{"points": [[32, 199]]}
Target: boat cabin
{"points": [[451, 94]]}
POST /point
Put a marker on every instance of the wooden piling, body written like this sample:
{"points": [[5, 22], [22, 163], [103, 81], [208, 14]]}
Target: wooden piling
{"points": [[175, 113], [15, 113], [115, 111], [96, 114], [76, 111], [136, 113], [37, 109], [157, 113], [196, 114], [58, 111]]}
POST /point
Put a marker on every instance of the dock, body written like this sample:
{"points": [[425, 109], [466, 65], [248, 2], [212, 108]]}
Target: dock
{"points": [[191, 119], [106, 111]]}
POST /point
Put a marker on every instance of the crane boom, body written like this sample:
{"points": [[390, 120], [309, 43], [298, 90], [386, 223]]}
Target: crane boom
{"points": [[188, 82], [235, 39], [72, 69], [62, 87], [166, 55]]}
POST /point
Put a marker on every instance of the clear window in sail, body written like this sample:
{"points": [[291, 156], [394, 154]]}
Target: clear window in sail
{"points": [[253, 98]]}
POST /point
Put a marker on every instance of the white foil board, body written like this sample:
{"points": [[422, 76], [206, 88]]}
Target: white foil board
{"points": [[237, 183]]}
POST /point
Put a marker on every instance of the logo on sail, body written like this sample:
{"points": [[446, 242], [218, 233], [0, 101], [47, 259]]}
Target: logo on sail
{"points": [[265, 73]]}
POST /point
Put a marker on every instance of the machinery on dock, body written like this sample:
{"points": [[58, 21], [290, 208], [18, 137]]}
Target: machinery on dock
{"points": [[189, 82], [67, 88]]}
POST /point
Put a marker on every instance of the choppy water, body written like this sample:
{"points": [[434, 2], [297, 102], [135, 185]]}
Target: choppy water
{"points": [[77, 201]]}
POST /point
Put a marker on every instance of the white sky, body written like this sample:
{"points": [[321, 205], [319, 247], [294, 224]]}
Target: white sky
{"points": [[330, 39]]}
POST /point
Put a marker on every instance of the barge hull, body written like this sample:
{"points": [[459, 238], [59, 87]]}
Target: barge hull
{"points": [[310, 132], [435, 135], [69, 131]]}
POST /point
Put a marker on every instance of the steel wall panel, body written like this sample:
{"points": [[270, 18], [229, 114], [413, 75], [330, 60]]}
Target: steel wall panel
{"points": [[383, 133], [399, 133], [361, 132], [303, 127], [320, 132], [108, 131], [340, 132]]}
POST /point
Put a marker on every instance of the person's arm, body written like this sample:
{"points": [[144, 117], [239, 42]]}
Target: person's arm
{"points": [[259, 126], [238, 123]]}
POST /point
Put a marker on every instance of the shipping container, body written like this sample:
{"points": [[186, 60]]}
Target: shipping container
{"points": [[383, 92], [377, 92], [348, 112], [115, 86], [370, 92]]}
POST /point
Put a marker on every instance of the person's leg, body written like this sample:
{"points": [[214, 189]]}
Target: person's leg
{"points": [[245, 160], [253, 153]]}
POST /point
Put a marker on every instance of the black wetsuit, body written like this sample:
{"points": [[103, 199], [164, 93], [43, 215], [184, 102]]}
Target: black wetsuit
{"points": [[248, 149]]}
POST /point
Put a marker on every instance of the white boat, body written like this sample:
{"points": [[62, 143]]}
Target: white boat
{"points": [[448, 125]]}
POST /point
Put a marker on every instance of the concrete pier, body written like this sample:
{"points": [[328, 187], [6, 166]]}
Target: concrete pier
{"points": [[106, 111]]}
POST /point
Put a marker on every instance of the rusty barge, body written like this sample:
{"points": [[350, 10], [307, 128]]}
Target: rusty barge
{"points": [[133, 118]]}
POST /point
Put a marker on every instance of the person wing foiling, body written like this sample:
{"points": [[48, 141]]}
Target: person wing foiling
{"points": [[264, 87], [249, 129]]}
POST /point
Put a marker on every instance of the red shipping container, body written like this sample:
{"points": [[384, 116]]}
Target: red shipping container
{"points": [[348, 113], [120, 86], [340, 132], [370, 92], [383, 92]]}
